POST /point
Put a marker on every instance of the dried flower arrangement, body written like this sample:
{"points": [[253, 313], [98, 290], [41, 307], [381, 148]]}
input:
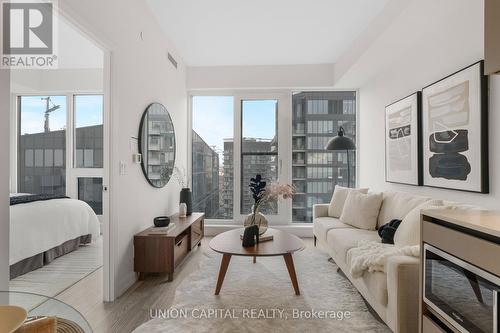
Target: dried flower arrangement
{"points": [[274, 192], [179, 174]]}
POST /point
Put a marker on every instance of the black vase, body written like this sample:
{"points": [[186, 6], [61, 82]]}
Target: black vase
{"points": [[187, 198]]}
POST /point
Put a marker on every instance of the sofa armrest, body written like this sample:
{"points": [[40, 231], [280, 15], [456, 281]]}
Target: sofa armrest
{"points": [[403, 292], [320, 210]]}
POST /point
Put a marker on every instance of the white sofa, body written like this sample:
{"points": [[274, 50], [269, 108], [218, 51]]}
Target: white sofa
{"points": [[393, 294]]}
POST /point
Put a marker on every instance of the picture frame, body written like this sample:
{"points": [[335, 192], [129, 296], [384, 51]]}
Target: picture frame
{"points": [[403, 149], [455, 131]]}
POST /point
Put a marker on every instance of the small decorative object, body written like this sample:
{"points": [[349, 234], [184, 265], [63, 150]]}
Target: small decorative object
{"points": [[250, 236], [257, 187], [261, 195], [161, 230], [342, 142], [161, 221], [262, 238], [182, 209], [186, 197], [403, 153], [388, 230], [455, 131]]}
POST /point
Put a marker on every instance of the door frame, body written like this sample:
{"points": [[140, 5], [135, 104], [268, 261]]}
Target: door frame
{"points": [[108, 228]]}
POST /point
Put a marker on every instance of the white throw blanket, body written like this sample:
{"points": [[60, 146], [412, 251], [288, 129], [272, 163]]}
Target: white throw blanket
{"points": [[372, 256]]}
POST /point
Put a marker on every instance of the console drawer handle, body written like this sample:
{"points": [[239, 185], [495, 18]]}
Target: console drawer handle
{"points": [[180, 243]]}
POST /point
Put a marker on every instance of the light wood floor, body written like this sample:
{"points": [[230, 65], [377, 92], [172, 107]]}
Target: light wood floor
{"points": [[131, 309]]}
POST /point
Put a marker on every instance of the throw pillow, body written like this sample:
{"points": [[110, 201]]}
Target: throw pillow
{"points": [[361, 210], [338, 199], [387, 231], [408, 233]]}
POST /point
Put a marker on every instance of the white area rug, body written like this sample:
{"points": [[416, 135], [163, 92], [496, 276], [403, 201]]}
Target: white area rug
{"points": [[60, 274], [265, 288]]}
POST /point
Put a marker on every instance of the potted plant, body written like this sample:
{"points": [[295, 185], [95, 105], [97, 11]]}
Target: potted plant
{"points": [[261, 195]]}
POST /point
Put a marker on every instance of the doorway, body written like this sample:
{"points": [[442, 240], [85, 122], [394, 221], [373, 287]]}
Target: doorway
{"points": [[60, 143]]}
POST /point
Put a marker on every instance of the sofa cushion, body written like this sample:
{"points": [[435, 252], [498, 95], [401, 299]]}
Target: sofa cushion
{"points": [[361, 210], [341, 240], [338, 199], [408, 233], [374, 282], [322, 225], [397, 204]]}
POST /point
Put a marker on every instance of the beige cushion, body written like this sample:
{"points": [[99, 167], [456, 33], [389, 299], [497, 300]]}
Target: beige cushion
{"points": [[361, 210], [322, 225], [408, 232], [397, 204], [338, 199], [342, 240]]}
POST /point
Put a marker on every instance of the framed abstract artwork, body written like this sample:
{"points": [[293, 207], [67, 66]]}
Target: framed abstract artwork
{"points": [[403, 153], [455, 131]]}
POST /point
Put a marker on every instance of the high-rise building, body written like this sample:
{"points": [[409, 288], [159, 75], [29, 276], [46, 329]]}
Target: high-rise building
{"points": [[317, 117], [253, 163], [227, 189], [205, 178], [42, 163]]}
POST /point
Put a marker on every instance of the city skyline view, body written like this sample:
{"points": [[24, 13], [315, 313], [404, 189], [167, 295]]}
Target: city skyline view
{"points": [[213, 120], [316, 118]]}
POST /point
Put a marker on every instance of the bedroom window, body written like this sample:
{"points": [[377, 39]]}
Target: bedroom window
{"points": [[42, 144], [60, 146], [90, 191]]}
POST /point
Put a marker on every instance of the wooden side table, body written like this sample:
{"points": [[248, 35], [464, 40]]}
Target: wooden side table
{"points": [[163, 252]]}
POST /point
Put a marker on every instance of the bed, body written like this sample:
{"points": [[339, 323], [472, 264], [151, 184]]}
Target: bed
{"points": [[43, 228]]}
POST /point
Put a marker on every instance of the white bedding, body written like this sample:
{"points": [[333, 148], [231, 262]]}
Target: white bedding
{"points": [[38, 226]]}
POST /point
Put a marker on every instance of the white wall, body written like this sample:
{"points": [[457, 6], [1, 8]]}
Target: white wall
{"points": [[428, 40], [4, 178], [140, 74], [259, 77], [30, 81]]}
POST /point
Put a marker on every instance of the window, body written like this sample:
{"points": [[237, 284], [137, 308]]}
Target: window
{"points": [[88, 131], [90, 191], [259, 149], [212, 156], [43, 147], [249, 124], [320, 114], [42, 144]]}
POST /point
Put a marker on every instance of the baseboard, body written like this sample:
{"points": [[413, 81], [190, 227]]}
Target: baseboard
{"points": [[300, 230], [124, 284]]}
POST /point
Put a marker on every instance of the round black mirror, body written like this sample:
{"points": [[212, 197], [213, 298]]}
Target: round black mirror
{"points": [[157, 145]]}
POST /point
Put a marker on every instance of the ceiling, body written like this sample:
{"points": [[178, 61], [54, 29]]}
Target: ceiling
{"points": [[263, 32]]}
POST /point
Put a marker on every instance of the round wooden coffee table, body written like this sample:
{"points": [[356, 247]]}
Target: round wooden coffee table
{"points": [[283, 244]]}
